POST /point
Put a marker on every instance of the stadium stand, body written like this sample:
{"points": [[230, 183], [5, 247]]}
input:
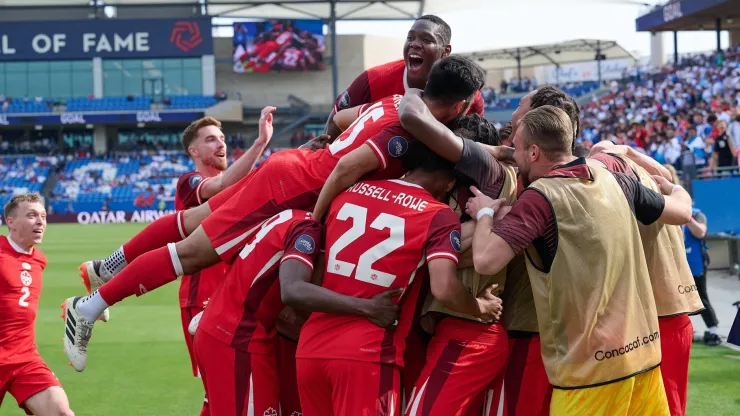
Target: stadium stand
{"points": [[510, 99], [87, 104]]}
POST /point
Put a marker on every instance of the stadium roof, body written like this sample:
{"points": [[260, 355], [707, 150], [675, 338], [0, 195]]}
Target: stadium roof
{"points": [[288, 9], [572, 51], [690, 15]]}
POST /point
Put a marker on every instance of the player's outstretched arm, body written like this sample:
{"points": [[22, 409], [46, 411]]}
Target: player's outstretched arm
{"points": [[345, 118], [297, 292], [244, 164], [350, 168], [646, 162], [447, 288], [418, 120], [678, 204]]}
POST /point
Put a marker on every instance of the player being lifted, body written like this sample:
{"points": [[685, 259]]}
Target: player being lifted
{"points": [[23, 372], [381, 235], [289, 179], [427, 42]]}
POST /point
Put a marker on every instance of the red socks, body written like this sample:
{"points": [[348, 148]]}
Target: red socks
{"points": [[164, 230], [148, 272]]}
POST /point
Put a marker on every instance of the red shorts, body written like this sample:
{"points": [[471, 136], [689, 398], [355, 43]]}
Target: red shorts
{"points": [[265, 192], [186, 315], [463, 359], [237, 382], [414, 359], [23, 380], [676, 335], [290, 402], [527, 389], [347, 387]]}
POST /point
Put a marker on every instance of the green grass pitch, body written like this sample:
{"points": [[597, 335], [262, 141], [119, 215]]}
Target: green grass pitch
{"points": [[138, 363]]}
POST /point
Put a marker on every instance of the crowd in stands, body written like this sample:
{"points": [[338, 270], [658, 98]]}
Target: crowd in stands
{"points": [[680, 114], [499, 100]]}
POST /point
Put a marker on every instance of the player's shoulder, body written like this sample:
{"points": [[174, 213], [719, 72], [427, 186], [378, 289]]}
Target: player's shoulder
{"points": [[389, 69], [191, 178], [39, 257]]}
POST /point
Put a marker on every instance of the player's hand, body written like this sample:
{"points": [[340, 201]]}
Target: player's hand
{"points": [[317, 143], [480, 201], [383, 311], [666, 186], [265, 124], [489, 304]]}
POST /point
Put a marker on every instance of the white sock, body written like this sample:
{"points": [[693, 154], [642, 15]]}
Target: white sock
{"points": [[113, 265], [90, 307], [713, 330]]}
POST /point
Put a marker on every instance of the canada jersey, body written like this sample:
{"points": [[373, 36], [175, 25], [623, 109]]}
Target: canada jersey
{"points": [[382, 81], [243, 310], [195, 290], [20, 289], [378, 236]]}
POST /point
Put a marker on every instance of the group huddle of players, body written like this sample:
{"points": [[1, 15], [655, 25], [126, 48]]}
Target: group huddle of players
{"points": [[281, 48], [407, 268]]}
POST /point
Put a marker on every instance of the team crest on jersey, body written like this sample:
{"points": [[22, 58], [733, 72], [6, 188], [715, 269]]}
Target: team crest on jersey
{"points": [[344, 101], [195, 180], [270, 412], [455, 240], [26, 278], [398, 146], [305, 244], [26, 266], [296, 414]]}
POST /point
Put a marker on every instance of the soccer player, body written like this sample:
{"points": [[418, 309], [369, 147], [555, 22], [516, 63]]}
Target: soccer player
{"points": [[236, 338], [379, 235], [673, 285], [578, 226], [23, 372], [427, 42], [290, 179]]}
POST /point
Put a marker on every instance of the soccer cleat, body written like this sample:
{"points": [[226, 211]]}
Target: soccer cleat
{"points": [[193, 326], [77, 333], [93, 281]]}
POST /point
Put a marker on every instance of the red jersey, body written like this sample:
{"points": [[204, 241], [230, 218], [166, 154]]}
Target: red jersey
{"points": [[20, 289], [378, 236], [195, 290], [384, 80], [244, 308], [377, 125]]}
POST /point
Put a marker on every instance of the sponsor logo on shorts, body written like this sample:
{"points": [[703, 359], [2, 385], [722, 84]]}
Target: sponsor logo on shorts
{"points": [[398, 146], [637, 343], [195, 180], [455, 240], [26, 266], [26, 278], [344, 101], [305, 244], [685, 290]]}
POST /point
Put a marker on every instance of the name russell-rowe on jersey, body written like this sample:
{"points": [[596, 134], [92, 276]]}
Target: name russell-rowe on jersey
{"points": [[387, 195]]}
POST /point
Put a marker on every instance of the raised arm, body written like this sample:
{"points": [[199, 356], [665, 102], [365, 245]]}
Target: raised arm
{"points": [[246, 162], [418, 120], [345, 118], [646, 162]]}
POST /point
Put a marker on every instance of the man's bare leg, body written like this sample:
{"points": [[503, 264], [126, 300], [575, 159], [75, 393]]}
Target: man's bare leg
{"points": [[50, 402]]}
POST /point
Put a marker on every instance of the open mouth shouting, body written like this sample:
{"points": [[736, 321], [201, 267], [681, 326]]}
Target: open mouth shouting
{"points": [[415, 62]]}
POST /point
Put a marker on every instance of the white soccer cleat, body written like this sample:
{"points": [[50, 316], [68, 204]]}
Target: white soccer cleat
{"points": [[193, 326], [77, 333], [92, 282]]}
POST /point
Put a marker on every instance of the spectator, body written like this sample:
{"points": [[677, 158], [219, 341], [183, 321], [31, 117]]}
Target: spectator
{"points": [[735, 137], [723, 154]]}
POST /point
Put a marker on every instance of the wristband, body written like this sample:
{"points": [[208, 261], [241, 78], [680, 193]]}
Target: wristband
{"points": [[675, 188], [483, 212]]}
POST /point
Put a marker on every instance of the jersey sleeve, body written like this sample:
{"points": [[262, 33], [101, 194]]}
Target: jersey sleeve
{"points": [[614, 163], [478, 106], [301, 243], [187, 194], [443, 236], [481, 168], [389, 146], [529, 219], [647, 204], [358, 93]]}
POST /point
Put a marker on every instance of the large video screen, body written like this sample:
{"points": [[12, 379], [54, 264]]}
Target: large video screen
{"points": [[279, 45]]}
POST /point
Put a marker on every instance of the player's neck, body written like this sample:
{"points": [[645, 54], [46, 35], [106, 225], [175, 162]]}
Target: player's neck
{"points": [[428, 181], [15, 242]]}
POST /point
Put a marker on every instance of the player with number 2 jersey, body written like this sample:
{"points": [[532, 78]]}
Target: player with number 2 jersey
{"points": [[292, 179]]}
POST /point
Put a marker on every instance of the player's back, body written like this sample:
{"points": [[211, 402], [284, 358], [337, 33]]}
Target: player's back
{"points": [[243, 309], [20, 289], [378, 235]]}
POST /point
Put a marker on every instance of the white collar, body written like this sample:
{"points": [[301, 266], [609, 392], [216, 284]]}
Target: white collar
{"points": [[18, 248], [405, 183]]}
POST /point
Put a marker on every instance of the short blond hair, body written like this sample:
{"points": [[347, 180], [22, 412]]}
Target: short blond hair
{"points": [[191, 131], [550, 128], [15, 201]]}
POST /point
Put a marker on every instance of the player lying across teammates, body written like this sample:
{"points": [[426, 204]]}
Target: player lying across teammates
{"points": [[587, 344]]}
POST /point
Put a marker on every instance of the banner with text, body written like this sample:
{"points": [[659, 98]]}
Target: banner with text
{"points": [[111, 38], [97, 118], [583, 71]]}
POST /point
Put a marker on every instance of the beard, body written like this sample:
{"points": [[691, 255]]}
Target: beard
{"points": [[217, 162]]}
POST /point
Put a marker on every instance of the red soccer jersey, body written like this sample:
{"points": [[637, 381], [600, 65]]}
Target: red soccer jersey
{"points": [[20, 289], [244, 308], [376, 125], [383, 80], [378, 236], [195, 290]]}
